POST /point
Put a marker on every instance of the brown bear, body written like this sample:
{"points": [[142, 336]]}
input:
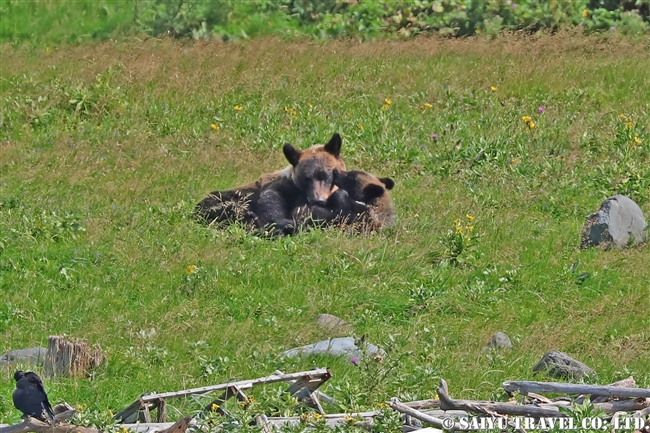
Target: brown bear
{"points": [[270, 200], [362, 202]]}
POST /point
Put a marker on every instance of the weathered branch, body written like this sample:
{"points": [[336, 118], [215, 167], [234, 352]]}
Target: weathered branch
{"points": [[570, 388], [437, 422]]}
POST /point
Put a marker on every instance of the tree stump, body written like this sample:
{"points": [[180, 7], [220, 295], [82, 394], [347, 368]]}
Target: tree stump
{"points": [[71, 358]]}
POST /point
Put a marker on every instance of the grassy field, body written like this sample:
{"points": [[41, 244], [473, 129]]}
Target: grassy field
{"points": [[106, 147]]}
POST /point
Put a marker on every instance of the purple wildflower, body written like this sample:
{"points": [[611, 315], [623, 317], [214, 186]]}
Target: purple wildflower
{"points": [[541, 108], [434, 136], [355, 361], [612, 28]]}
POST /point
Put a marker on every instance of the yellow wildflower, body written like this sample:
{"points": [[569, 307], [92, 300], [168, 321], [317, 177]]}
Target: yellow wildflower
{"points": [[493, 88], [191, 269], [470, 228], [622, 116], [361, 127], [110, 412], [317, 416], [427, 105], [514, 161], [349, 419], [470, 218], [309, 104], [585, 13], [214, 406], [291, 111], [215, 127], [531, 124], [456, 222], [526, 118], [99, 127], [386, 105], [459, 230], [629, 124], [637, 140], [238, 108]]}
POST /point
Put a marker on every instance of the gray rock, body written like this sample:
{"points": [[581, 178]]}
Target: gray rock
{"points": [[562, 366], [499, 340], [619, 222], [344, 346], [33, 355], [333, 325]]}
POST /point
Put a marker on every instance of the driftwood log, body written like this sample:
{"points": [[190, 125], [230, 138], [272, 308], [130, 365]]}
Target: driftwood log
{"points": [[538, 411], [423, 404], [66, 357], [570, 388], [396, 405]]}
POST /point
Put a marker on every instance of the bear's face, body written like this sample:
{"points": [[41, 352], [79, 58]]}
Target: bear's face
{"points": [[313, 168], [361, 186]]}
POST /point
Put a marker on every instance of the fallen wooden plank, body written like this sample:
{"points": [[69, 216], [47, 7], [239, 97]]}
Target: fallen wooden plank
{"points": [[243, 384], [312, 379], [304, 393], [524, 387]]}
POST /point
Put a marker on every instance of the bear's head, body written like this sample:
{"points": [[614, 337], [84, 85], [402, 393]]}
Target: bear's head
{"points": [[313, 168], [361, 186]]}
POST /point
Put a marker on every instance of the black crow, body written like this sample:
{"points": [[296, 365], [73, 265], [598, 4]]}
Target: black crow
{"points": [[30, 397]]}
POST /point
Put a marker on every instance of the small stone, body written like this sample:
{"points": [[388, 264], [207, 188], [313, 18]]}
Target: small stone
{"points": [[619, 222], [499, 340], [33, 355], [561, 366], [345, 346], [334, 325]]}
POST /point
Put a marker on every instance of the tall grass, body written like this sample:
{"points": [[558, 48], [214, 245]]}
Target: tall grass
{"points": [[105, 148]]}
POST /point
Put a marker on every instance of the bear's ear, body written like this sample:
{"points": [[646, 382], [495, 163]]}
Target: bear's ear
{"points": [[372, 191], [334, 145], [388, 182], [291, 153]]}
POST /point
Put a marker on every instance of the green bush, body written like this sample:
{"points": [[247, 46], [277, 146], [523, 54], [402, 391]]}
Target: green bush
{"points": [[363, 19], [367, 19]]}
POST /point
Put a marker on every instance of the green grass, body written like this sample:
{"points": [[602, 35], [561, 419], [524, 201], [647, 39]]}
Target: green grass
{"points": [[57, 21], [106, 148]]}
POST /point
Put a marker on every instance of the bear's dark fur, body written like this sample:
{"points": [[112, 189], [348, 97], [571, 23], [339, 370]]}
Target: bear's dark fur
{"points": [[270, 200]]}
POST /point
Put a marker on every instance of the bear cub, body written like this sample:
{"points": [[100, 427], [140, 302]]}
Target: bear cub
{"points": [[362, 201]]}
